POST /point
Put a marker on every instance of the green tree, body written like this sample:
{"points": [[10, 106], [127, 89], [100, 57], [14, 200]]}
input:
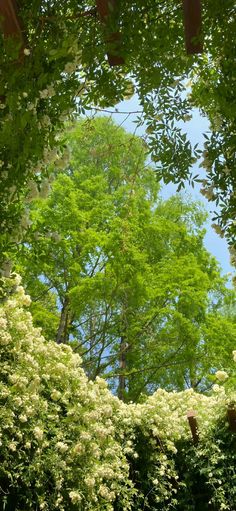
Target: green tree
{"points": [[137, 294]]}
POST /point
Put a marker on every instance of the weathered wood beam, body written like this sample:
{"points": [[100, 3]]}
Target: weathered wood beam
{"points": [[11, 26], [9, 20], [192, 26], [191, 415], [105, 9], [231, 414]]}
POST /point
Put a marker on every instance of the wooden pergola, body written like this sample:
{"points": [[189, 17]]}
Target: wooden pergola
{"points": [[12, 26]]}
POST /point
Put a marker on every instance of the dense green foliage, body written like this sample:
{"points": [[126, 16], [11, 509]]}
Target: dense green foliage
{"points": [[64, 68], [67, 444], [122, 274]]}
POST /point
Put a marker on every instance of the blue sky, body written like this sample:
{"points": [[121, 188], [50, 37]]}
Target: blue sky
{"points": [[194, 129]]}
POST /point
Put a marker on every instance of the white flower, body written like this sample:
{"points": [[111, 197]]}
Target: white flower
{"points": [[61, 446], [75, 497], [215, 387], [26, 52], [70, 67], [234, 355], [221, 375], [85, 436], [38, 433], [78, 449], [26, 300], [30, 106], [43, 93], [5, 338], [90, 482], [17, 279], [55, 395], [12, 446], [22, 418], [45, 121], [48, 92], [3, 323], [106, 493]]}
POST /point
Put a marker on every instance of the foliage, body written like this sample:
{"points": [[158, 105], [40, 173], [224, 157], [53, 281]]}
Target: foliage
{"points": [[136, 292], [63, 68], [69, 444]]}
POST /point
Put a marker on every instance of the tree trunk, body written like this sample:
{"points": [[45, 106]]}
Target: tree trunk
{"points": [[122, 364], [62, 331]]}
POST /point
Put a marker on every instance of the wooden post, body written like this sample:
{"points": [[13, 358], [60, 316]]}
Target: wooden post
{"points": [[105, 9], [231, 414], [9, 20], [11, 26], [191, 415], [192, 26]]}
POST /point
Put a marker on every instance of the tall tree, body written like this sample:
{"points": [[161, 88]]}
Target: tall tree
{"points": [[137, 293]]}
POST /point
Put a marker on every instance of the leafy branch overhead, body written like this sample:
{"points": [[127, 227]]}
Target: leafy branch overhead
{"points": [[64, 70]]}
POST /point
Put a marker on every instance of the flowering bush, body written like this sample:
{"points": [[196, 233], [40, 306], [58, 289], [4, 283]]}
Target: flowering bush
{"points": [[58, 445], [67, 443]]}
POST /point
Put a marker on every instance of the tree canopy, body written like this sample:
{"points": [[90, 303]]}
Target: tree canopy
{"points": [[59, 66], [122, 274]]}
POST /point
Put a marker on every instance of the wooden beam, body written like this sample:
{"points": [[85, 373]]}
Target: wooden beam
{"points": [[11, 25], [192, 26], [191, 415], [105, 9], [231, 414], [9, 20]]}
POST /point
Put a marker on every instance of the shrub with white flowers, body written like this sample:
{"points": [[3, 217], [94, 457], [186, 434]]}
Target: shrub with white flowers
{"points": [[58, 445], [67, 443]]}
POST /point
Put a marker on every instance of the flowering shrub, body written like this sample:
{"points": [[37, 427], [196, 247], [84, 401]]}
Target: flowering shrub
{"points": [[169, 470], [58, 446], [67, 443]]}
